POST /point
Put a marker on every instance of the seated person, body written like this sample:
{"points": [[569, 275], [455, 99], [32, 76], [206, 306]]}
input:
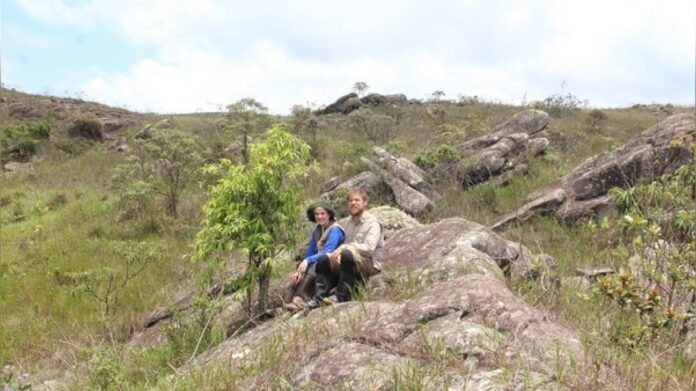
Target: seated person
{"points": [[326, 236], [353, 261]]}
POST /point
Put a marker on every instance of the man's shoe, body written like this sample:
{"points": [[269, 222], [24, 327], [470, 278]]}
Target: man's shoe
{"points": [[313, 303], [296, 304], [331, 300]]}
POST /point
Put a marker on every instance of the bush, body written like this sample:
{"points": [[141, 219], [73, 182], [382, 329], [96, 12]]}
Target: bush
{"points": [[21, 142], [443, 154], [377, 128], [558, 105], [657, 247], [40, 130], [88, 127]]}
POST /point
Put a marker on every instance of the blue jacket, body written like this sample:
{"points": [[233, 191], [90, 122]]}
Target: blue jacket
{"points": [[334, 239]]}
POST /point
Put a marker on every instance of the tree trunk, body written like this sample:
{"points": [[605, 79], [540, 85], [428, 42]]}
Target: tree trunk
{"points": [[264, 282]]}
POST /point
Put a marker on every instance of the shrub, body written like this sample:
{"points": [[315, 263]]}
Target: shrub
{"points": [[21, 142], [378, 128], [443, 154], [86, 126], [559, 105], [595, 118], [40, 130], [657, 247]]}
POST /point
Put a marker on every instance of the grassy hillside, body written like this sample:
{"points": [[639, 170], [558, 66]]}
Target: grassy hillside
{"points": [[61, 217]]}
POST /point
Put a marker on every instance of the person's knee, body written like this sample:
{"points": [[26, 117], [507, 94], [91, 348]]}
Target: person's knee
{"points": [[323, 265], [347, 262]]}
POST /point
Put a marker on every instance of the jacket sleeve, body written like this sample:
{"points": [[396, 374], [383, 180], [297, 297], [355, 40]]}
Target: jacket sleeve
{"points": [[312, 247], [334, 240]]}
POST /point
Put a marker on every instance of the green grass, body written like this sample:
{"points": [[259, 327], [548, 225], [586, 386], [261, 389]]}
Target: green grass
{"points": [[63, 217]]}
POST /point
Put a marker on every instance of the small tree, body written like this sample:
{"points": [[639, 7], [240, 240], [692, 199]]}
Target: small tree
{"points": [[165, 164], [246, 116], [360, 88], [303, 120], [437, 96], [255, 208], [105, 285]]}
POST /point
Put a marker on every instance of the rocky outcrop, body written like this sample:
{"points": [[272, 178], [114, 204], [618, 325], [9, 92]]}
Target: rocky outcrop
{"points": [[583, 192], [343, 105], [351, 102], [459, 325], [396, 179], [504, 150]]}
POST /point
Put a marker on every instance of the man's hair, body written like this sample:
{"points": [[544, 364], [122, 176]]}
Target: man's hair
{"points": [[358, 191]]}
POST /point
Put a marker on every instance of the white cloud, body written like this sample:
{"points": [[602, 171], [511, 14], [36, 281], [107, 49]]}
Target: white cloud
{"points": [[283, 53]]}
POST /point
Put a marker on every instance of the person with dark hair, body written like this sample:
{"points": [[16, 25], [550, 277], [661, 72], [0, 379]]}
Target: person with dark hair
{"points": [[326, 237], [356, 259]]}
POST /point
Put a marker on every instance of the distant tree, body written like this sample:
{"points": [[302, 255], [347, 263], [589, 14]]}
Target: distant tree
{"points": [[255, 208], [303, 120], [164, 164], [246, 116], [437, 96], [360, 88]]}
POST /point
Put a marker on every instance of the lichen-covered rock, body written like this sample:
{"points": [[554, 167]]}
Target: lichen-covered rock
{"points": [[401, 168], [393, 220], [470, 317], [503, 150], [659, 149]]}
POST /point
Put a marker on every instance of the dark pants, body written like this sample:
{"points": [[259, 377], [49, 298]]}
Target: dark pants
{"points": [[344, 279]]}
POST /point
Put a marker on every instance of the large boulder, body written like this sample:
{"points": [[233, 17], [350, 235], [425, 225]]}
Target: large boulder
{"points": [[406, 197], [379, 99], [459, 312], [397, 180], [660, 149], [345, 104], [502, 153]]}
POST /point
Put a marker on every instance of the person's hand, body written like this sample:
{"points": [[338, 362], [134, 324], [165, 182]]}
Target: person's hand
{"points": [[301, 269]]}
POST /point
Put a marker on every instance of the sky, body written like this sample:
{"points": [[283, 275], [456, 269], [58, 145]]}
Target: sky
{"points": [[175, 56]]}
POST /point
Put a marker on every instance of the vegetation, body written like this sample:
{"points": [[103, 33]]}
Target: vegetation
{"points": [[245, 117], [164, 164], [20, 142], [255, 208], [64, 220]]}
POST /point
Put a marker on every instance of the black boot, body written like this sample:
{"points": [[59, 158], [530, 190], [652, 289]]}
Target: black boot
{"points": [[349, 277]]}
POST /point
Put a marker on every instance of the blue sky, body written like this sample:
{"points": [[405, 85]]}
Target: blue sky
{"points": [[186, 56]]}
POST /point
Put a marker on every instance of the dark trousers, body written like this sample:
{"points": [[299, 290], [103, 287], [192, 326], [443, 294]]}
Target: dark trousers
{"points": [[344, 279]]}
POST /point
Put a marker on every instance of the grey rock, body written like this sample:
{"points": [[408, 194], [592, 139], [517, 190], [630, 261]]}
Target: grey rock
{"points": [[401, 168], [657, 150], [537, 146], [344, 105], [144, 133], [165, 123], [407, 198], [529, 121], [329, 185]]}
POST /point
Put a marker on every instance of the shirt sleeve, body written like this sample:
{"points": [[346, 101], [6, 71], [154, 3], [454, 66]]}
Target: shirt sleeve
{"points": [[371, 239], [312, 247], [334, 240]]}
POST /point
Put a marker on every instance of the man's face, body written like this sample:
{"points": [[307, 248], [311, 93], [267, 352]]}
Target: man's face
{"points": [[321, 216], [356, 205]]}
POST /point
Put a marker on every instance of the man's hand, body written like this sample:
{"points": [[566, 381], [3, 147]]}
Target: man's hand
{"points": [[301, 269]]}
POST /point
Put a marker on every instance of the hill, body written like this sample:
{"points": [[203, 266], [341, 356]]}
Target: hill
{"points": [[68, 228]]}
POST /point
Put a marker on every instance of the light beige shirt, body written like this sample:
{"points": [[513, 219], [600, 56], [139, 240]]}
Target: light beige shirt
{"points": [[364, 238]]}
